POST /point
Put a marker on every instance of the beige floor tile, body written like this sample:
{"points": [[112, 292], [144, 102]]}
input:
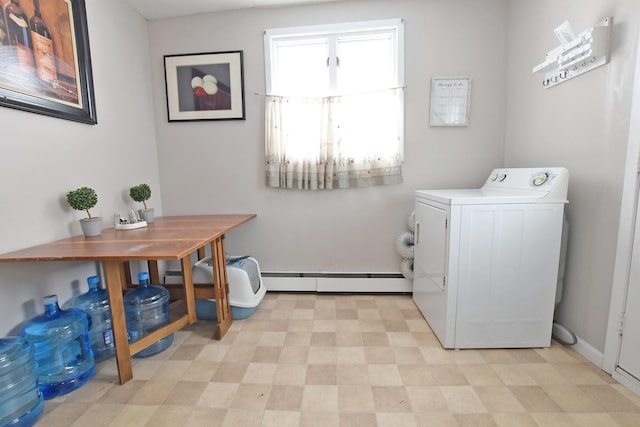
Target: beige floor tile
{"points": [[169, 416], [609, 398], [243, 418], [264, 354], [350, 355], [351, 419], [408, 356], [133, 415], [352, 374], [230, 372], [187, 352], [349, 338], [512, 374], [436, 420], [480, 375], [260, 373], [345, 360], [375, 355], [200, 371], [384, 375], [152, 392], [205, 417], [347, 325], [498, 399], [185, 393], [416, 375], [251, 397], [475, 420], [122, 393], [626, 419], [514, 420], [218, 395], [320, 398], [98, 415], [355, 398], [462, 400], [426, 399], [315, 417], [323, 339], [281, 419], [285, 398], [554, 419], [291, 374], [571, 398], [171, 370], [534, 399], [321, 374], [297, 339], [391, 399], [322, 355]]}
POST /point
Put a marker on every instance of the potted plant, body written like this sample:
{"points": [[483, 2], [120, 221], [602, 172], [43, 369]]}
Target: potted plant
{"points": [[141, 193], [83, 199]]}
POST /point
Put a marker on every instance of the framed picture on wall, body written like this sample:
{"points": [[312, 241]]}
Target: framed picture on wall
{"points": [[205, 86], [45, 63], [450, 98]]}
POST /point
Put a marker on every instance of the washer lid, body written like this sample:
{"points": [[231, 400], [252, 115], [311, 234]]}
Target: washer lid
{"points": [[481, 196]]}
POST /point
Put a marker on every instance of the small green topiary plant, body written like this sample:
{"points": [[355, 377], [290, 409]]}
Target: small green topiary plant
{"points": [[83, 199], [140, 193]]}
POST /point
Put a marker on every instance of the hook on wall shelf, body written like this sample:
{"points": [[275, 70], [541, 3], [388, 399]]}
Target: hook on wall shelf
{"points": [[576, 54]]}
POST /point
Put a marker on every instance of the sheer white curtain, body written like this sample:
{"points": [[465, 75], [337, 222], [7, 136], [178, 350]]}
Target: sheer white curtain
{"points": [[333, 142]]}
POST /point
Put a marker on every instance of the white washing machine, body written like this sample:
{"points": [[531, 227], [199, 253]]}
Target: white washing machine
{"points": [[486, 260]]}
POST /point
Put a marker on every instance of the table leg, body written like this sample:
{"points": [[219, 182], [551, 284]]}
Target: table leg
{"points": [[112, 271], [189, 291], [221, 287]]}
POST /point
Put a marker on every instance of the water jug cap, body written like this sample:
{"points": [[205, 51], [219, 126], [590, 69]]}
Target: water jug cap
{"points": [[143, 276], [93, 280], [50, 299]]}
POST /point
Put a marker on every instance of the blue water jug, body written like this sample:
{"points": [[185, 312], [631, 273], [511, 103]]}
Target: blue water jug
{"points": [[95, 304], [21, 403], [147, 310], [64, 359]]}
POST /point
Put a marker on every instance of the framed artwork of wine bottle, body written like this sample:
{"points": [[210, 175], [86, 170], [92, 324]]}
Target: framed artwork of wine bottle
{"points": [[205, 86], [45, 59]]}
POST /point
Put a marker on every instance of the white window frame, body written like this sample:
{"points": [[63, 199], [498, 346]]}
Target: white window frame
{"points": [[394, 27]]}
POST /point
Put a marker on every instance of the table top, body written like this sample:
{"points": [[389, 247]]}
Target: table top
{"points": [[168, 238]]}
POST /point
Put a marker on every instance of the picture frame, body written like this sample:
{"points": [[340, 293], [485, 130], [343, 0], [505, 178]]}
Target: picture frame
{"points": [[450, 101], [205, 86], [47, 69]]}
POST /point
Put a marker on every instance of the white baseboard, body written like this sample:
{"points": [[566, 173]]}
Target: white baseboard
{"points": [[589, 352], [337, 284]]}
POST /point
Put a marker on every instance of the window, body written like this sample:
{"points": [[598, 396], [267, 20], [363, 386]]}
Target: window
{"points": [[334, 105]]}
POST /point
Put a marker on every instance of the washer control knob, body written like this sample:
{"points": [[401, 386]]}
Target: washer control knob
{"points": [[540, 179], [493, 177], [502, 177]]}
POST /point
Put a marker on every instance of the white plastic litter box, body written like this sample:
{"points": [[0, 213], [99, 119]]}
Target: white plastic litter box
{"points": [[246, 290]]}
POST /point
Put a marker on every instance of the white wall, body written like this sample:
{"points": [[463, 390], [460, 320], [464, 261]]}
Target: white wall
{"points": [[583, 125], [43, 158], [217, 166]]}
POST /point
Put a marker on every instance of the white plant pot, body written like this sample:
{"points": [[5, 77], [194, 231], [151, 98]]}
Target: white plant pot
{"points": [[146, 215], [91, 226]]}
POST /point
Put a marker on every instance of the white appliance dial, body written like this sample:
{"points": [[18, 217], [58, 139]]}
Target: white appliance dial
{"points": [[539, 179]]}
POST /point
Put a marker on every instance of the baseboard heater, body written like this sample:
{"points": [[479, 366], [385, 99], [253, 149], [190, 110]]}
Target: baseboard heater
{"points": [[335, 282]]}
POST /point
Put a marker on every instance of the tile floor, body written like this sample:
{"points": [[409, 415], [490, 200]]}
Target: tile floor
{"points": [[344, 360]]}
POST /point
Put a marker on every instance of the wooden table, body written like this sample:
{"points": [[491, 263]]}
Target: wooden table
{"points": [[167, 238]]}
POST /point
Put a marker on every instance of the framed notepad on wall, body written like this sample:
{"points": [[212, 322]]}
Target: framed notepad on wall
{"points": [[450, 98]]}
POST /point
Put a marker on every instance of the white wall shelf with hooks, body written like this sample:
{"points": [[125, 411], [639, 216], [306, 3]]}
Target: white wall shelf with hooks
{"points": [[576, 54]]}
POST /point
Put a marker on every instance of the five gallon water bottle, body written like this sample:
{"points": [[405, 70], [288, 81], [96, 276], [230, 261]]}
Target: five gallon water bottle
{"points": [[96, 304], [147, 309], [21, 403], [64, 359]]}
